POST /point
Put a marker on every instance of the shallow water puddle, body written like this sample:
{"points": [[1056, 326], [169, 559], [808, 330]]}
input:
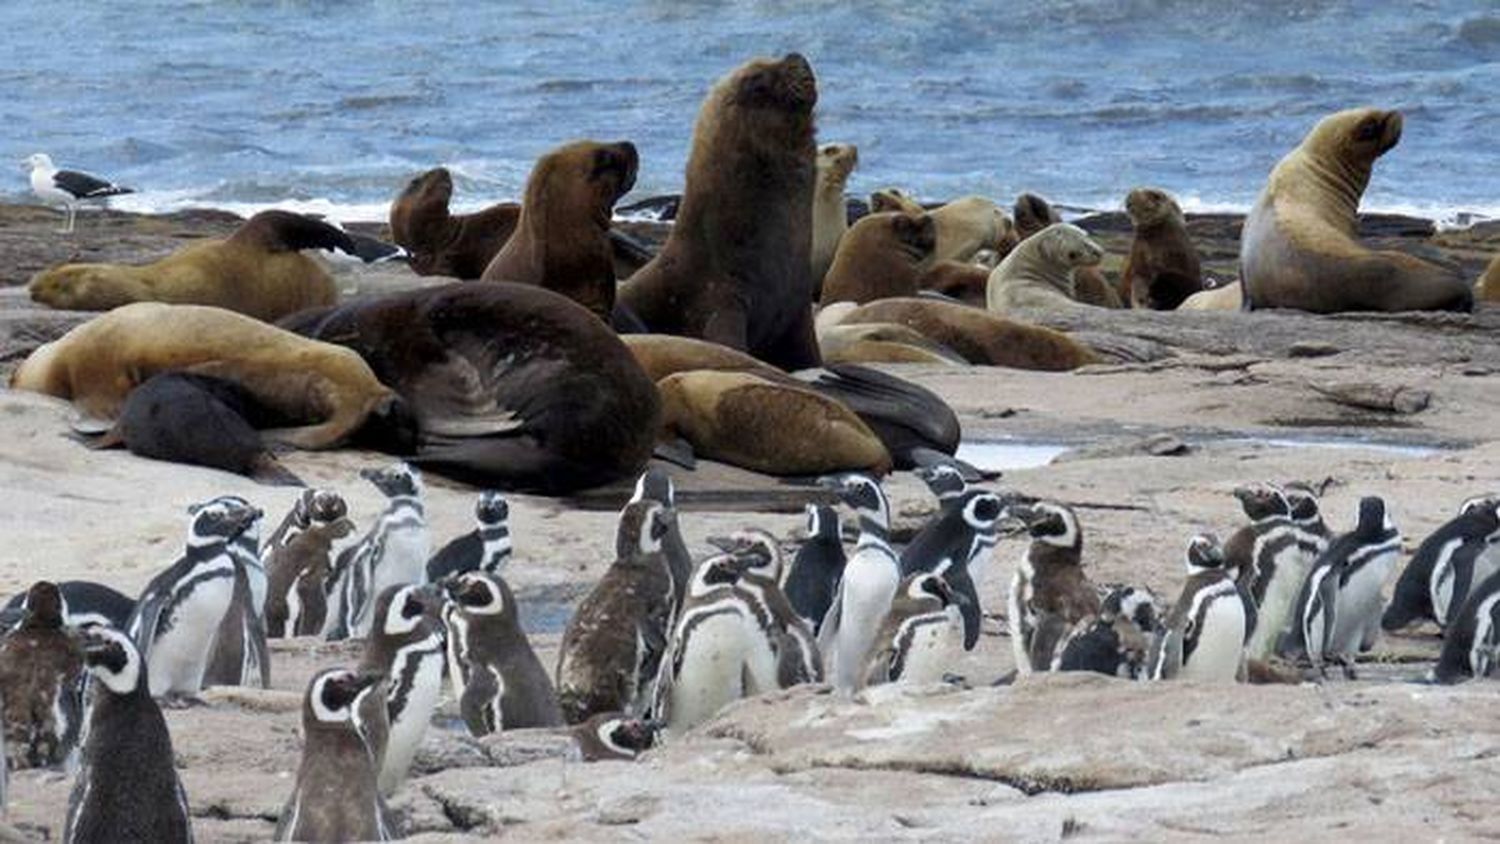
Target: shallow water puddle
{"points": [[1001, 455]]}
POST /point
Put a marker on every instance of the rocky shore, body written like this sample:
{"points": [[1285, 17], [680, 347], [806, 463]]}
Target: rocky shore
{"points": [[1149, 447]]}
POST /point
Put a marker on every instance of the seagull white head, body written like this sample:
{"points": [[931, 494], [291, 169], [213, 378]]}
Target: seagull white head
{"points": [[39, 161]]}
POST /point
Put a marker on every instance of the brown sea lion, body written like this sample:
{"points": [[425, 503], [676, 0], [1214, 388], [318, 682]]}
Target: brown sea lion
{"points": [[1300, 245], [1031, 215], [1038, 273], [967, 225], [737, 266], [965, 282], [981, 337], [747, 421], [441, 243], [830, 212], [1162, 269], [1227, 297], [512, 386], [894, 199], [562, 240], [879, 257], [330, 388], [666, 354], [882, 343], [1487, 288], [257, 271]]}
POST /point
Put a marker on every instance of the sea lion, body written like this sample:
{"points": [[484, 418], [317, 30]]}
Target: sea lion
{"points": [[327, 389], [965, 282], [1227, 297], [454, 245], [750, 422], [1038, 273], [1300, 247], [882, 343], [513, 386], [666, 354], [880, 257], [894, 199], [1162, 269], [1487, 288], [562, 239], [257, 271], [981, 337], [967, 225], [830, 212], [737, 267], [1031, 215]]}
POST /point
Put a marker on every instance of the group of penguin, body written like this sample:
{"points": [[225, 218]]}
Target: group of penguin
{"points": [[663, 642]]}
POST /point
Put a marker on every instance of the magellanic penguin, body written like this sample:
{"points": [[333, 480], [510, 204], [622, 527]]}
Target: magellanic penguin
{"points": [[1471, 644], [178, 616], [298, 572], [612, 648], [614, 736], [961, 536], [1268, 561], [240, 656], [1338, 612], [1118, 640], [785, 648], [485, 548], [656, 485], [393, 551], [41, 673], [84, 603], [921, 639], [865, 592], [127, 788], [499, 682], [1204, 636], [336, 797], [313, 505], [406, 649], [817, 567], [706, 666], [1455, 548], [1049, 592]]}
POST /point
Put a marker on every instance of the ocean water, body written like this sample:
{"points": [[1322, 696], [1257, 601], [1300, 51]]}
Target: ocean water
{"points": [[333, 105]]}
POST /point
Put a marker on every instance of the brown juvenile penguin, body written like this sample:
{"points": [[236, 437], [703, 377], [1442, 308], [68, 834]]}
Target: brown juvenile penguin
{"points": [[1049, 593], [297, 599], [1162, 269], [879, 257], [455, 245], [41, 672]]}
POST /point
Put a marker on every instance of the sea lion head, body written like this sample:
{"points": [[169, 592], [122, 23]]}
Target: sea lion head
{"points": [[430, 189], [583, 178], [763, 106], [894, 199], [419, 216], [837, 161], [915, 234], [1067, 246], [1358, 135], [1032, 214], [787, 84], [86, 287], [1150, 206]]}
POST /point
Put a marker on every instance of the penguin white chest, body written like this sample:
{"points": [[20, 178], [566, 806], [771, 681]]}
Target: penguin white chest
{"points": [[1018, 618], [1217, 635], [934, 645], [403, 559], [185, 633], [417, 682], [870, 581], [1357, 622], [712, 670]]}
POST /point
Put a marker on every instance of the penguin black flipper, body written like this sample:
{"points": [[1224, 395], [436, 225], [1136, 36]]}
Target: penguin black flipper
{"points": [[480, 703], [453, 558], [1472, 640], [967, 597], [144, 620], [903, 415]]}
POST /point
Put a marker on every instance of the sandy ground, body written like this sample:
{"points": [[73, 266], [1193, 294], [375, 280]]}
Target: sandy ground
{"points": [[1384, 757]]}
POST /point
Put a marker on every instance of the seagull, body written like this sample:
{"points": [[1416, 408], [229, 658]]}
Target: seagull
{"points": [[67, 187]]}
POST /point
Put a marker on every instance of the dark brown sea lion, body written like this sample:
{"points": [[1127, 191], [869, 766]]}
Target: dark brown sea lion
{"points": [[1031, 215], [737, 268], [879, 257], [441, 243], [1300, 246], [257, 271], [513, 386], [979, 336], [1162, 270], [562, 240]]}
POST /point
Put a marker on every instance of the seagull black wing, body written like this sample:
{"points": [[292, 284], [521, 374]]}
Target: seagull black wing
{"points": [[84, 186]]}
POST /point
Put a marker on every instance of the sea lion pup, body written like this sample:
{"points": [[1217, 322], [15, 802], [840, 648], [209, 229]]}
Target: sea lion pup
{"points": [[329, 390], [894, 199], [1487, 288], [778, 429], [455, 245], [562, 240], [830, 213], [737, 267], [880, 257], [1300, 247], [981, 337], [1031, 215], [257, 271], [1226, 297], [1162, 269], [1038, 273], [513, 387]]}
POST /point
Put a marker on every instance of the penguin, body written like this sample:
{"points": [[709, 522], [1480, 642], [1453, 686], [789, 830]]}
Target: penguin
{"points": [[1049, 592], [298, 571], [127, 788], [1467, 561], [336, 797], [869, 583], [393, 551], [41, 683], [705, 667], [178, 615], [614, 736], [499, 682], [817, 567], [485, 548], [240, 656], [406, 648], [1471, 644], [921, 639], [961, 536], [612, 648], [1268, 561], [84, 603], [1338, 611], [1412, 600], [322, 505], [944, 480], [1204, 635], [656, 485], [1118, 640], [785, 650]]}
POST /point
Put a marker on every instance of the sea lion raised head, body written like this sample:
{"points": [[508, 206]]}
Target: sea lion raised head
{"points": [[1162, 270], [830, 214], [443, 243], [880, 256], [894, 199], [420, 210], [1038, 273]]}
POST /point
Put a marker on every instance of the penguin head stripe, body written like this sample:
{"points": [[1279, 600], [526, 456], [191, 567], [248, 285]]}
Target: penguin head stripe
{"points": [[1303, 501], [863, 493], [1204, 554], [399, 481], [218, 521], [111, 656], [626, 736], [943, 480], [643, 526], [1051, 524], [928, 586], [1263, 501], [404, 608], [491, 509], [814, 520], [655, 485], [983, 510], [478, 593], [332, 693], [715, 572], [759, 548]]}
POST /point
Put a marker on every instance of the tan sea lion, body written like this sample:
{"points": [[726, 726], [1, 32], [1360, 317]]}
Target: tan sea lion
{"points": [[661, 355], [1226, 297], [1031, 215], [1162, 269], [830, 212], [1038, 273], [747, 421], [257, 271], [894, 199], [441, 243], [965, 282], [98, 363], [882, 343], [562, 239], [979, 336], [1487, 288], [1300, 245], [967, 225], [879, 257], [737, 266]]}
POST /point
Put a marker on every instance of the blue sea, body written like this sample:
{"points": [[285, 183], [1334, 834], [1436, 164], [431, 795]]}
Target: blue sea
{"points": [[332, 105]]}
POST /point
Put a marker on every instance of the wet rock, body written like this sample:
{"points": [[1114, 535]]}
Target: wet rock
{"points": [[1389, 398], [1157, 445]]}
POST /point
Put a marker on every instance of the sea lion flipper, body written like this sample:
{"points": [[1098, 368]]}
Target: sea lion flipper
{"points": [[267, 470], [677, 451]]}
